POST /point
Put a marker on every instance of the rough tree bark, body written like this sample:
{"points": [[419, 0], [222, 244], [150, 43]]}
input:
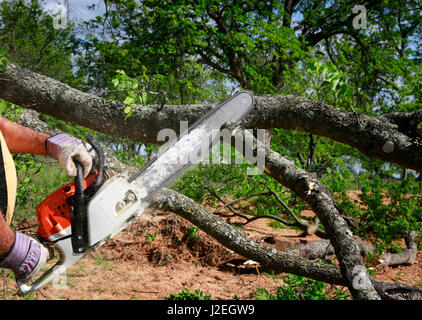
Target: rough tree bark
{"points": [[54, 98], [322, 203], [391, 137]]}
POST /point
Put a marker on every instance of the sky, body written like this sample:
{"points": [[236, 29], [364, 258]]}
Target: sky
{"points": [[77, 9]]}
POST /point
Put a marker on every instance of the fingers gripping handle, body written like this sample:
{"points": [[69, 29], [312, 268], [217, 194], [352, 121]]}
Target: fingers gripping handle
{"points": [[67, 259]]}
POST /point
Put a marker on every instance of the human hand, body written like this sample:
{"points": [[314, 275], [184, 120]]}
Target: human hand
{"points": [[65, 149]]}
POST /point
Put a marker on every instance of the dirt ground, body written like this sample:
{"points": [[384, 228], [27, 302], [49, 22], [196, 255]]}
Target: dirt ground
{"points": [[155, 257]]}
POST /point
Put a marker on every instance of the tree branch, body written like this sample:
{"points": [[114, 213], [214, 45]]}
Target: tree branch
{"points": [[322, 203], [241, 244], [375, 137], [301, 223]]}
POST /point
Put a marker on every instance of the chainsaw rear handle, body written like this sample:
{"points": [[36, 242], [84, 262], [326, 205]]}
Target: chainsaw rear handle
{"points": [[78, 216], [100, 160]]}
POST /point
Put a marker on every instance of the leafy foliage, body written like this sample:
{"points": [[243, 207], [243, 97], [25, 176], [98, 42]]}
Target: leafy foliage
{"points": [[188, 295], [132, 93], [3, 60], [387, 209], [393, 210], [301, 288], [30, 40], [193, 233]]}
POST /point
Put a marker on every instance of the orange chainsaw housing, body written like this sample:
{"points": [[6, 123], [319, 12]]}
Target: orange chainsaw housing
{"points": [[54, 212]]}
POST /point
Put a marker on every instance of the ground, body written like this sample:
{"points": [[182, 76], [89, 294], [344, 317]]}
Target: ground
{"points": [[156, 257]]}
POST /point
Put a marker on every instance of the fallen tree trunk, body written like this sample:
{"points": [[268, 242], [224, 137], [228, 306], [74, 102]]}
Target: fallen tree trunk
{"points": [[383, 137], [406, 257], [238, 242], [267, 257], [323, 248], [396, 291], [319, 249]]}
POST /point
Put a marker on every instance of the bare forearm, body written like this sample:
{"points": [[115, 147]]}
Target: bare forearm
{"points": [[20, 139]]}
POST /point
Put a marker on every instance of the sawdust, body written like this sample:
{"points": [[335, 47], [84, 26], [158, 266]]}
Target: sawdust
{"points": [[164, 240]]}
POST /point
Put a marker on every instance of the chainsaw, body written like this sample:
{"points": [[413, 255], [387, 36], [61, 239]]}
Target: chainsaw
{"points": [[82, 215]]}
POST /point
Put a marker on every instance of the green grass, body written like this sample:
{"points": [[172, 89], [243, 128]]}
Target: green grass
{"points": [[188, 295], [36, 180], [301, 288]]}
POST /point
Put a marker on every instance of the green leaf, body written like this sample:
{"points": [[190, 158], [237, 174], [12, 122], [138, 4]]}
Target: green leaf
{"points": [[128, 109], [3, 63], [115, 82], [144, 96], [129, 100]]}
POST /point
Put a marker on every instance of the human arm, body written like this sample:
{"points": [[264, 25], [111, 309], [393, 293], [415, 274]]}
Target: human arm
{"points": [[64, 148], [20, 139]]}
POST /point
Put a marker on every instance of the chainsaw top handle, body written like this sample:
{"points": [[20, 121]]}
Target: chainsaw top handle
{"points": [[100, 160]]}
